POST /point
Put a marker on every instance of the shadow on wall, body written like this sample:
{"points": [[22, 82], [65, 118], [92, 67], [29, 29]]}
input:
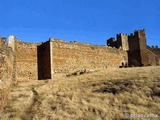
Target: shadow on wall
{"points": [[44, 64]]}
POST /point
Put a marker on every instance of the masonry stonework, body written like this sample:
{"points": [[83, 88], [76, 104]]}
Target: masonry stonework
{"points": [[34, 61], [136, 47], [154, 53], [42, 61], [22, 61], [74, 56], [122, 41], [26, 61], [6, 71]]}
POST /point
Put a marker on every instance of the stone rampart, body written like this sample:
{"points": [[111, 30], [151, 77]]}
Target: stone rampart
{"points": [[26, 61], [6, 71], [75, 56]]}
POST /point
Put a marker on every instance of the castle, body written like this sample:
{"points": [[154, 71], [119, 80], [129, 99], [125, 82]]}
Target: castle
{"points": [[139, 54], [32, 61], [22, 61]]}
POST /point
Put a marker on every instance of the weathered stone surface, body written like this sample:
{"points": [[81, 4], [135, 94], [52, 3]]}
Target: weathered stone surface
{"points": [[69, 57], [26, 61], [6, 72], [34, 61], [138, 52], [22, 61]]}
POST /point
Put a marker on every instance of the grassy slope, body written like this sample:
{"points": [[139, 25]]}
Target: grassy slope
{"points": [[107, 94]]}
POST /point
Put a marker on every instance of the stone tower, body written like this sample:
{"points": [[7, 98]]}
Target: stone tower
{"points": [[138, 54], [122, 41], [136, 47], [143, 46]]}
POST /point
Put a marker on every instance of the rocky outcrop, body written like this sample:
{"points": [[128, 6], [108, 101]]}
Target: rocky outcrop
{"points": [[6, 71]]}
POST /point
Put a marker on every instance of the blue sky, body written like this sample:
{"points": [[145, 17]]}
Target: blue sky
{"points": [[91, 21]]}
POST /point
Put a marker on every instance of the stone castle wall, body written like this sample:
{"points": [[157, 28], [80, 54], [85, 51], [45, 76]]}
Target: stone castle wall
{"points": [[34, 61], [154, 53], [26, 61], [42, 61], [6, 71], [155, 50], [74, 56], [152, 59], [21, 61], [136, 46]]}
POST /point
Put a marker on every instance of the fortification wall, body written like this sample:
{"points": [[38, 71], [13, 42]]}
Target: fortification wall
{"points": [[74, 56], [152, 59], [26, 61], [6, 71], [155, 51]]}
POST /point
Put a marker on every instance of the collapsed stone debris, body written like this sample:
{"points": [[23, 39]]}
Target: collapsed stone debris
{"points": [[80, 72]]}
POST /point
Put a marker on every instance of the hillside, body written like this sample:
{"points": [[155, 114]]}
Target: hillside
{"points": [[102, 95]]}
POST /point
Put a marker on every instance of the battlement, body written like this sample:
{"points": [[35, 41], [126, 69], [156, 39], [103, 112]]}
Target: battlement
{"points": [[77, 45], [155, 50], [58, 40], [154, 47], [121, 34], [123, 40]]}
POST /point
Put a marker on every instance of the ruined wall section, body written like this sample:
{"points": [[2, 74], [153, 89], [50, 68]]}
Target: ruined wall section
{"points": [[153, 60], [154, 52], [6, 71], [112, 42], [26, 61], [74, 56]]}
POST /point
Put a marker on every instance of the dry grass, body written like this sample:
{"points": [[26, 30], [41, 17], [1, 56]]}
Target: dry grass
{"points": [[102, 95]]}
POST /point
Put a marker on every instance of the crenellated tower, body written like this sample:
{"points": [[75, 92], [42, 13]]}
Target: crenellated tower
{"points": [[136, 47], [138, 54], [122, 41]]}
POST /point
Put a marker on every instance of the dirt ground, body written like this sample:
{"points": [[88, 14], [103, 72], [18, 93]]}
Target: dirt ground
{"points": [[111, 94]]}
